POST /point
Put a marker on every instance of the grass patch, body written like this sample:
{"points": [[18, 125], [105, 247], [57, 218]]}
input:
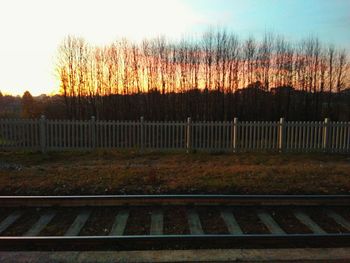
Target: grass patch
{"points": [[131, 172]]}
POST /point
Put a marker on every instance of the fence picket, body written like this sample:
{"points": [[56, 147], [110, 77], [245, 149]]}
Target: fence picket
{"points": [[210, 136]]}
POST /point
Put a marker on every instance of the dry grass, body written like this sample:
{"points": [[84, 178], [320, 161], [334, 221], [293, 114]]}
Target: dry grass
{"points": [[109, 172]]}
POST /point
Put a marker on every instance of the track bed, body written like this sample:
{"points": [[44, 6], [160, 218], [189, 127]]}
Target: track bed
{"points": [[169, 222]]}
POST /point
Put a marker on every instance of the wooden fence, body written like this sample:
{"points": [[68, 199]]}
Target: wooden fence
{"points": [[49, 135]]}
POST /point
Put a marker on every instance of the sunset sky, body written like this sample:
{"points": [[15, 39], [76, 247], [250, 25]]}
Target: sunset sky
{"points": [[31, 30]]}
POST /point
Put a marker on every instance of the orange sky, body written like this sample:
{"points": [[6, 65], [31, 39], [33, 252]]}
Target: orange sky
{"points": [[28, 46], [32, 30]]}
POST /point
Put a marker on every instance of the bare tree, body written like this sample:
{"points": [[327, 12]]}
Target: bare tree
{"points": [[214, 77]]}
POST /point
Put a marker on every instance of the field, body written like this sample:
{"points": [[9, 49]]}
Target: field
{"points": [[112, 172]]}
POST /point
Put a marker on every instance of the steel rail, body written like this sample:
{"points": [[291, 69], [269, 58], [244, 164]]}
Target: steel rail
{"points": [[85, 243], [147, 200]]}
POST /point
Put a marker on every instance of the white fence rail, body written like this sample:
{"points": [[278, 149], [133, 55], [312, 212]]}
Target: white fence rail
{"points": [[234, 136]]}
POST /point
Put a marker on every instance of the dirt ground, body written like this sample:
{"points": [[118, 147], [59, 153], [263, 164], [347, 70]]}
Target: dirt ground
{"points": [[112, 172]]}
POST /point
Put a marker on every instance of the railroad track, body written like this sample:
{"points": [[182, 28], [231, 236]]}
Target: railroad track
{"points": [[141, 222]]}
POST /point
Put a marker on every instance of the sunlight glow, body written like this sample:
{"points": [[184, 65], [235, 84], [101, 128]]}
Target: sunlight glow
{"points": [[32, 30]]}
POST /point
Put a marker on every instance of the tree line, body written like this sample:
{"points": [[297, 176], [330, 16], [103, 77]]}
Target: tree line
{"points": [[201, 77], [217, 76], [250, 103]]}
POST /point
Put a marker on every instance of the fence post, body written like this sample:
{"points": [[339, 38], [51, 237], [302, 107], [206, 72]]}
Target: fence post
{"points": [[325, 135], [43, 133], [142, 134], [188, 135], [234, 135], [281, 135], [93, 132]]}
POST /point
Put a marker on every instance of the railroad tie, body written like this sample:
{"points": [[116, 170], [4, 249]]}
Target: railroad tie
{"points": [[338, 218], [231, 222], [43, 221], [78, 223], [306, 220], [194, 222], [119, 224], [156, 222], [9, 220], [270, 223]]}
